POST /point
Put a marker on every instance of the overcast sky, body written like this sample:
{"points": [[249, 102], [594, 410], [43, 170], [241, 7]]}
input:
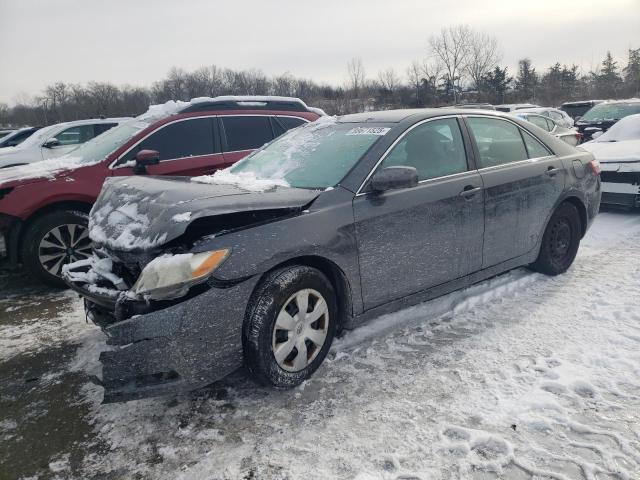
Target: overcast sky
{"points": [[137, 41]]}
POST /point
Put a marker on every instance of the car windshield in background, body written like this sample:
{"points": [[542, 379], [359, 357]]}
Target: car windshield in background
{"points": [[317, 155], [98, 148], [610, 111], [576, 110]]}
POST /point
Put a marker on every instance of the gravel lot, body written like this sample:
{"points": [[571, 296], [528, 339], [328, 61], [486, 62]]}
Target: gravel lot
{"points": [[519, 377]]}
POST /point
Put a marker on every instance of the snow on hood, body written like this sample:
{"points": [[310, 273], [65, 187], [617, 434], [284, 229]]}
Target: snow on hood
{"points": [[46, 169], [624, 152], [141, 213], [245, 180]]}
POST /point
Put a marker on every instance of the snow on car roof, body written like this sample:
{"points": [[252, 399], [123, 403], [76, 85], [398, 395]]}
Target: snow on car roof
{"points": [[173, 107], [627, 128]]}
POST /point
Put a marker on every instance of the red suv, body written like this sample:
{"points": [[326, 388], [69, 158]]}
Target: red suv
{"points": [[44, 206]]}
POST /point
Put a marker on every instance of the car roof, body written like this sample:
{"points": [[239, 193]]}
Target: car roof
{"points": [[581, 103], [625, 100], [397, 116]]}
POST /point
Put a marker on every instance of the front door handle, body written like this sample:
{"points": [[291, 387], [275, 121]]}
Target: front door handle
{"points": [[469, 191], [552, 171]]}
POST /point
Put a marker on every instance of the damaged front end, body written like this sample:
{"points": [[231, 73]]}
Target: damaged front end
{"points": [[163, 344], [174, 326]]}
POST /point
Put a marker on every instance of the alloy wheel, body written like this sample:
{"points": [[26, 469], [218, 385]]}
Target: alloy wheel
{"points": [[63, 244], [300, 330]]}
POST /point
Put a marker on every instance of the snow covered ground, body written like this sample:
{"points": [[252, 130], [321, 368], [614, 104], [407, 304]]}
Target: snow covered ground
{"points": [[519, 377]]}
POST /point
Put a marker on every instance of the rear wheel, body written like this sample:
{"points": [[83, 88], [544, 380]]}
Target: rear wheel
{"points": [[290, 324], [52, 241], [560, 241]]}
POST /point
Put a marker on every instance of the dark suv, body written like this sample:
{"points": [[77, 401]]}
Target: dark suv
{"points": [[602, 116], [44, 206]]}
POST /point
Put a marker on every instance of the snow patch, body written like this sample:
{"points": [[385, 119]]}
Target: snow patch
{"points": [[245, 180], [128, 225], [181, 217]]}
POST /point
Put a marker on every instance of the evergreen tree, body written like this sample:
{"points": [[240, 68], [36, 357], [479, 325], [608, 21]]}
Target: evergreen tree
{"points": [[608, 81], [526, 81], [495, 84], [632, 73]]}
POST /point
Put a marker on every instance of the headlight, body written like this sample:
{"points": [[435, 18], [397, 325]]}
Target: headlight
{"points": [[171, 276]]}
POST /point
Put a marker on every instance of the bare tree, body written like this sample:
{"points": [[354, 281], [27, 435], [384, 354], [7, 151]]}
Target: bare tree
{"points": [[389, 80], [484, 55], [355, 71], [452, 46]]}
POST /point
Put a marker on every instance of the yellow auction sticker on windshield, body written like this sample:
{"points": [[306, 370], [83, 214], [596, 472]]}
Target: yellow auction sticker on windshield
{"points": [[368, 131]]}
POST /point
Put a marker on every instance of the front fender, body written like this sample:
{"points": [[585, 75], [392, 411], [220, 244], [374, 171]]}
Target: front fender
{"points": [[326, 230]]}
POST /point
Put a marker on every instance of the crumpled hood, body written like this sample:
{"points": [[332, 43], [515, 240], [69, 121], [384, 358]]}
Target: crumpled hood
{"points": [[140, 213], [626, 154]]}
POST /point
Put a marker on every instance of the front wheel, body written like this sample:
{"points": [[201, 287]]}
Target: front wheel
{"points": [[560, 241], [52, 241], [289, 327]]}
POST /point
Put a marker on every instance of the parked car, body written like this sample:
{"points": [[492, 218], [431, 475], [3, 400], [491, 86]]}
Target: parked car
{"points": [[568, 135], [16, 137], [55, 141], [44, 206], [5, 132], [602, 116], [618, 151], [558, 116], [577, 109], [332, 224], [510, 107]]}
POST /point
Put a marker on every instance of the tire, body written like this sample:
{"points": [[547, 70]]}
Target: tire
{"points": [[274, 306], [560, 241], [53, 240]]}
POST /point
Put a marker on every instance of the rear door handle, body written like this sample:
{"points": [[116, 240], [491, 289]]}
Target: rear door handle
{"points": [[469, 191], [552, 171]]}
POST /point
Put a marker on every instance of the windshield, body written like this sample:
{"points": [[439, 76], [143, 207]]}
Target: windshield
{"points": [[626, 129], [99, 147], [610, 111], [317, 155]]}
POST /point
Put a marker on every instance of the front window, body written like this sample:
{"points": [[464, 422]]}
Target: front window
{"points": [[434, 149], [182, 139], [317, 155], [610, 111]]}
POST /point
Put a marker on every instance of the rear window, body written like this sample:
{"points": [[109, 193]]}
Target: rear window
{"points": [[498, 141], [246, 132]]}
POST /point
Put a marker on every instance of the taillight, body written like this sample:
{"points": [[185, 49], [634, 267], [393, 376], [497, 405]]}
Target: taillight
{"points": [[595, 167]]}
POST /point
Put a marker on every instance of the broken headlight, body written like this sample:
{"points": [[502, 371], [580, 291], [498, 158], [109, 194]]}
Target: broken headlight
{"points": [[171, 276]]}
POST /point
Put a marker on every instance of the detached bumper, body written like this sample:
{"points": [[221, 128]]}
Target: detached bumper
{"points": [[621, 188], [175, 349]]}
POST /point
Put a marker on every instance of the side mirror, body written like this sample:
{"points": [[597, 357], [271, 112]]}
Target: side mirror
{"points": [[393, 178], [52, 142], [144, 158]]}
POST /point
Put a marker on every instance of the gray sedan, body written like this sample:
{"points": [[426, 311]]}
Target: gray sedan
{"points": [[334, 223]]}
